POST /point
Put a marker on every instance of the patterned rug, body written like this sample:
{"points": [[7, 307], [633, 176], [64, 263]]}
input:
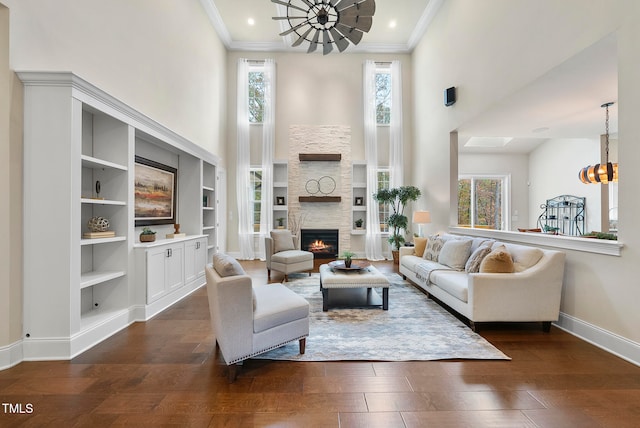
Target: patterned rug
{"points": [[414, 328]]}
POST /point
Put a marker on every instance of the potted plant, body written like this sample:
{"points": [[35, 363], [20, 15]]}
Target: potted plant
{"points": [[397, 198], [347, 256], [359, 223], [147, 235], [280, 221]]}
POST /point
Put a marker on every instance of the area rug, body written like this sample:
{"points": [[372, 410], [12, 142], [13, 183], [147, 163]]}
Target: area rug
{"points": [[414, 328]]}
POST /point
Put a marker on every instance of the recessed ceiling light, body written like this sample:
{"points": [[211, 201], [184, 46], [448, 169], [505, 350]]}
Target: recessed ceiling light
{"points": [[251, 21], [393, 23]]}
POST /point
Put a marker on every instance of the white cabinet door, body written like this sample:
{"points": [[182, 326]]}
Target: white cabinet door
{"points": [[174, 267], [195, 256], [156, 284], [201, 257], [165, 270]]}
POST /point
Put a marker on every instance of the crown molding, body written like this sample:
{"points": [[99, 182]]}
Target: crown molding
{"points": [[216, 20], [427, 16], [421, 27]]}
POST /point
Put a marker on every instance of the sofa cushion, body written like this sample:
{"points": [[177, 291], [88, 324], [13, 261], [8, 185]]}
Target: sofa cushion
{"points": [[497, 261], [292, 256], [524, 257], [282, 240], [479, 242], [410, 262], [419, 246], [455, 253], [434, 245], [475, 259], [226, 265], [453, 282], [275, 305]]}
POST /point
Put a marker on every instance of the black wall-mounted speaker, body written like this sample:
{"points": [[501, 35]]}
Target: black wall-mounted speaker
{"points": [[450, 96]]}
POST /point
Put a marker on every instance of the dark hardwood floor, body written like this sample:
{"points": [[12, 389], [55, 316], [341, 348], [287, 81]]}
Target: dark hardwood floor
{"points": [[167, 372]]}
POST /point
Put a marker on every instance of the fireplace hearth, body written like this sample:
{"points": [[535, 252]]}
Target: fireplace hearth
{"points": [[323, 243]]}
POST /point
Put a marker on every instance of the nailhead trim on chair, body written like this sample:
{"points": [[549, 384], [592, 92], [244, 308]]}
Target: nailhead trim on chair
{"points": [[237, 360]]}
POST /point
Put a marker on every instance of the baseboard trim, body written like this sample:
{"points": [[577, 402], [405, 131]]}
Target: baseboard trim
{"points": [[615, 344], [11, 355]]}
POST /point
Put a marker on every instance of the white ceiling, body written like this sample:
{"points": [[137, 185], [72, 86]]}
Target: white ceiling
{"points": [[230, 18], [563, 103]]}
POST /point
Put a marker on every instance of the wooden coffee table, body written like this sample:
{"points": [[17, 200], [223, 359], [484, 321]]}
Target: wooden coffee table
{"points": [[352, 287]]}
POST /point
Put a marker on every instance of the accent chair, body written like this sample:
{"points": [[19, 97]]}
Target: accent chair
{"points": [[283, 256]]}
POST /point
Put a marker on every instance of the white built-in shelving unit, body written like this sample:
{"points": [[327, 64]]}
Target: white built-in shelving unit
{"points": [[280, 193], [359, 192], [79, 290]]}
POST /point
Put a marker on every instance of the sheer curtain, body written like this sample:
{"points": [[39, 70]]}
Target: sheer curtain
{"points": [[268, 144], [396, 163], [373, 237], [243, 184]]}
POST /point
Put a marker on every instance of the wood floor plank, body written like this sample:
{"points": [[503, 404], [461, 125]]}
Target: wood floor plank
{"points": [[168, 372]]}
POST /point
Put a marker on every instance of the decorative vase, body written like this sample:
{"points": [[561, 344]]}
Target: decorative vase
{"points": [[396, 257], [147, 238], [347, 263]]}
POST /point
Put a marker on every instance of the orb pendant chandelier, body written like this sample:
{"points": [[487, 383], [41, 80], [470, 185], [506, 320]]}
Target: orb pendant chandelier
{"points": [[601, 173], [327, 22]]}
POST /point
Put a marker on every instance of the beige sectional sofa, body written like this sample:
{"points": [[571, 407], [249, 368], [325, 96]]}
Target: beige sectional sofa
{"points": [[531, 292]]}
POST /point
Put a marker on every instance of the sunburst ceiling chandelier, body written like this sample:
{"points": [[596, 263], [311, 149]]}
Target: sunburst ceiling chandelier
{"points": [[337, 21]]}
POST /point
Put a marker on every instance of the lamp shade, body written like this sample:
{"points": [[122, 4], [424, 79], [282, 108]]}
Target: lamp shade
{"points": [[421, 217]]}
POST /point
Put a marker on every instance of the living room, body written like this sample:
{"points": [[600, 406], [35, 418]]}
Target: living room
{"points": [[169, 63]]}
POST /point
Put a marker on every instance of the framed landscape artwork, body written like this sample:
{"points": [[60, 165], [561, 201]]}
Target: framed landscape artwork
{"points": [[155, 192]]}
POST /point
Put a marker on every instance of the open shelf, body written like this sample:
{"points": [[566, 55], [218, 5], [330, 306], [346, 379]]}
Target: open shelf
{"points": [[89, 279], [95, 163]]}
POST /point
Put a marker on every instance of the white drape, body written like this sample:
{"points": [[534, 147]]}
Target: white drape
{"points": [[373, 237], [243, 184], [396, 161], [268, 148]]}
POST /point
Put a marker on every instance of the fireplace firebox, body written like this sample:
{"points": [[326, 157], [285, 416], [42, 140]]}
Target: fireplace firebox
{"points": [[323, 243]]}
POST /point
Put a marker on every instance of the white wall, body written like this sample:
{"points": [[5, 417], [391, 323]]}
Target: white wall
{"points": [[554, 168], [312, 90], [490, 50], [516, 167], [161, 58]]}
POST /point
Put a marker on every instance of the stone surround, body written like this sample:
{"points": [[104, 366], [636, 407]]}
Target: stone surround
{"points": [[321, 215]]}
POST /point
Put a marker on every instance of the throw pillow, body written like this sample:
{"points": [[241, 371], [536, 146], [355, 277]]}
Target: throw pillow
{"points": [[419, 246], [455, 253], [498, 261], [473, 264], [226, 265], [434, 245], [282, 240], [525, 257]]}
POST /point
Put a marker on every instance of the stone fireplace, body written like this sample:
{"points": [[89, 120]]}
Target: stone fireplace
{"points": [[332, 215], [323, 243]]}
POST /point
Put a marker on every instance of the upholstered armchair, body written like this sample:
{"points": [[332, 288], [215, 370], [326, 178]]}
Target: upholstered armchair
{"points": [[251, 319], [283, 256]]}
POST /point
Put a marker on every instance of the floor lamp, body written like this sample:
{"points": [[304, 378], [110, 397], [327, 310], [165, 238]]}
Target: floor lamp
{"points": [[420, 218]]}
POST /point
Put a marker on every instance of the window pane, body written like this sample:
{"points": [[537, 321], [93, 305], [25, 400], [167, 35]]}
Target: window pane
{"points": [[383, 209], [464, 202], [481, 202], [383, 98], [256, 96], [488, 203]]}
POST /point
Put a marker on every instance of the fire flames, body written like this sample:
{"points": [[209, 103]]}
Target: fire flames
{"points": [[318, 246]]}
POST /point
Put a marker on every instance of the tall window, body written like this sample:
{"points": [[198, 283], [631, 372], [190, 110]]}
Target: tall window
{"points": [[256, 96], [383, 209], [255, 178], [383, 96], [482, 202]]}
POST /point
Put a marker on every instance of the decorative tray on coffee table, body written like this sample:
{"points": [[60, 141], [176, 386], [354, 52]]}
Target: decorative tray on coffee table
{"points": [[355, 267]]}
